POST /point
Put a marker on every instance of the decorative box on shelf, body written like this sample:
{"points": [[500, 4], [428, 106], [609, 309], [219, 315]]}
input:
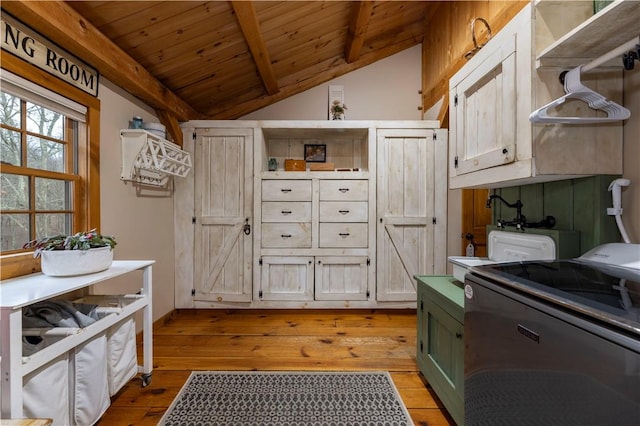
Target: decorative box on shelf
{"points": [[291, 165], [321, 167]]}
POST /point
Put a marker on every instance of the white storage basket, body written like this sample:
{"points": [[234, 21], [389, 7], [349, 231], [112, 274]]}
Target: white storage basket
{"points": [[122, 357], [89, 386], [45, 392], [81, 388]]}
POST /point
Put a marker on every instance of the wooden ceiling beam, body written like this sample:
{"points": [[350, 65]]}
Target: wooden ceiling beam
{"points": [[357, 29], [248, 21], [65, 27], [170, 121]]}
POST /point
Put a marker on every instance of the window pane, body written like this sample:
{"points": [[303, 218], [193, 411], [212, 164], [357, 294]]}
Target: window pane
{"points": [[74, 131], [52, 194], [49, 224], [39, 145], [14, 231], [44, 121], [10, 149], [10, 110], [15, 192], [45, 155]]}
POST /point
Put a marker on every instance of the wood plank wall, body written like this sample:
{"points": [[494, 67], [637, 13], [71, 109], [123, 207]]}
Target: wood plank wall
{"points": [[448, 37]]}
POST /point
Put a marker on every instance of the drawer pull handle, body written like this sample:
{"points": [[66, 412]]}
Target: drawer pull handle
{"points": [[343, 190], [286, 235], [343, 211], [459, 335], [286, 212], [344, 234], [285, 190]]}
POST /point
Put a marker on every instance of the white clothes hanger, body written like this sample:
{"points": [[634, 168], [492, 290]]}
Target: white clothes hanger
{"points": [[574, 89]]}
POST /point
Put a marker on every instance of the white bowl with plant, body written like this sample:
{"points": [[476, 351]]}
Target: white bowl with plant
{"points": [[77, 254]]}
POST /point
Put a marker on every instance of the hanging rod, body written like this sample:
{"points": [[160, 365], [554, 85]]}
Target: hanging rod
{"points": [[574, 89], [619, 51]]}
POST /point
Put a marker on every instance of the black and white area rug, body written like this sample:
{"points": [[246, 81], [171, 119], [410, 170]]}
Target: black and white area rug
{"points": [[246, 398]]}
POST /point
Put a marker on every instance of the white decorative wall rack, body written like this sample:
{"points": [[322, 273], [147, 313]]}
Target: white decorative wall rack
{"points": [[151, 160]]}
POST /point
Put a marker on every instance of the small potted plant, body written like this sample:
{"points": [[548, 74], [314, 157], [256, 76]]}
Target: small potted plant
{"points": [[78, 254], [337, 110]]}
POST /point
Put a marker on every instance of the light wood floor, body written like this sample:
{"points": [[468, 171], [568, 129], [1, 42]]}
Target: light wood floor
{"points": [[312, 340]]}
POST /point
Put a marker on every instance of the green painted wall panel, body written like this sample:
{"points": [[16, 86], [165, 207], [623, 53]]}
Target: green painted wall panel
{"points": [[558, 202], [534, 209], [577, 205], [585, 214]]}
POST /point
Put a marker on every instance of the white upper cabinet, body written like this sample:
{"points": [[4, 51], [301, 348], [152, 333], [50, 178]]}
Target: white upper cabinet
{"points": [[484, 110], [493, 143]]}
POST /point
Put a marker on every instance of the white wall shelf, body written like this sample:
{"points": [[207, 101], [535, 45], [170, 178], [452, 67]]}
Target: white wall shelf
{"points": [[602, 32], [151, 160]]}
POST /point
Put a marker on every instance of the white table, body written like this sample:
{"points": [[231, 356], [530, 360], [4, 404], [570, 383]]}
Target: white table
{"points": [[20, 292]]}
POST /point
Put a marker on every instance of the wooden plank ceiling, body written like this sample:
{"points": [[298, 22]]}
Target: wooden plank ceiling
{"points": [[224, 59]]}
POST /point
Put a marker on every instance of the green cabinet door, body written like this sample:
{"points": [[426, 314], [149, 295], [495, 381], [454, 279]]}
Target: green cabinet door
{"points": [[440, 345]]}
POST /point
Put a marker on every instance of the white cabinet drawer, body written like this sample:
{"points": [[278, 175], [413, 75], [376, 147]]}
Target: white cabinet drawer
{"points": [[286, 190], [343, 235], [283, 211], [344, 190], [293, 235], [344, 211]]}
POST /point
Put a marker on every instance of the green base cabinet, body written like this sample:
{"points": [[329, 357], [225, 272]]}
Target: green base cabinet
{"points": [[440, 345]]}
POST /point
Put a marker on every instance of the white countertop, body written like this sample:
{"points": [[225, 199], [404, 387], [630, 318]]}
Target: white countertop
{"points": [[23, 291]]}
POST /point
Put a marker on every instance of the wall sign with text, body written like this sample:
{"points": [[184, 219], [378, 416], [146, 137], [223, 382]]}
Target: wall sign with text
{"points": [[32, 47]]}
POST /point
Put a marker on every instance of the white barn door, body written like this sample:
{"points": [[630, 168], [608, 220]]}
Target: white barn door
{"points": [[223, 215], [406, 211]]}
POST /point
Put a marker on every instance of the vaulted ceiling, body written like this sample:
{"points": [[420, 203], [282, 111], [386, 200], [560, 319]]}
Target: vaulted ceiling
{"points": [[224, 59]]}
